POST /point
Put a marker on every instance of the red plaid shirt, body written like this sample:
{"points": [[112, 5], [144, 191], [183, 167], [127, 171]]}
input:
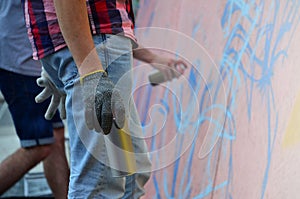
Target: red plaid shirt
{"points": [[105, 16]]}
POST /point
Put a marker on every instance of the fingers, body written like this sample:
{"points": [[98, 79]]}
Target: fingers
{"points": [[62, 110], [97, 90], [52, 108], [118, 110], [95, 116], [169, 75], [166, 70], [107, 117], [41, 82], [50, 90], [45, 94], [179, 67], [89, 113], [174, 69]]}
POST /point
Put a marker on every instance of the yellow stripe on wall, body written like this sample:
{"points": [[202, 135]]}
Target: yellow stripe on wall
{"points": [[292, 134]]}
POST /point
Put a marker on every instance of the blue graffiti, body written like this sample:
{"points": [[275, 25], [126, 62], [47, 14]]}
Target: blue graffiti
{"points": [[253, 32]]}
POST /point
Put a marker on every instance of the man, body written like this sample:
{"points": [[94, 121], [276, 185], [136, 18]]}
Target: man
{"points": [[41, 140], [99, 36]]}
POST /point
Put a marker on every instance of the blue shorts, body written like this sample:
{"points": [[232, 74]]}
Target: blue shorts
{"points": [[19, 92]]}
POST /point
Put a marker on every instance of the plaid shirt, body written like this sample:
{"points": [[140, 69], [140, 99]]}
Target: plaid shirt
{"points": [[105, 16]]}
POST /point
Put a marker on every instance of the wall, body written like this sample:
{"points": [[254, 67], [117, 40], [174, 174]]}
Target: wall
{"points": [[228, 128]]}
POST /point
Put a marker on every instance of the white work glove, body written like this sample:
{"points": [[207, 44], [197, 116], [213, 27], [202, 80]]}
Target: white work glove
{"points": [[58, 97]]}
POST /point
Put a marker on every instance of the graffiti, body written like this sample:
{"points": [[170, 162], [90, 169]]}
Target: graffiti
{"points": [[257, 37], [263, 26]]}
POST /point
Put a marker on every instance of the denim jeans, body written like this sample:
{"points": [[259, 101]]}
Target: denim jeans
{"points": [[92, 174]]}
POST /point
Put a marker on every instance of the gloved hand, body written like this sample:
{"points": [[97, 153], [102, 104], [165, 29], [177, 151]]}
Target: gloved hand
{"points": [[51, 90], [103, 103]]}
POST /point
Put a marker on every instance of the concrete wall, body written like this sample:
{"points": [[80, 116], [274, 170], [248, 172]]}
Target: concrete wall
{"points": [[229, 128]]}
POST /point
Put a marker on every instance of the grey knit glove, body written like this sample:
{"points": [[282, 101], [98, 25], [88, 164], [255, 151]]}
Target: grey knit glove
{"points": [[57, 97], [103, 103]]}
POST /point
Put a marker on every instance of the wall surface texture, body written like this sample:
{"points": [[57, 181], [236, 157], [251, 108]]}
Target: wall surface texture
{"points": [[230, 126]]}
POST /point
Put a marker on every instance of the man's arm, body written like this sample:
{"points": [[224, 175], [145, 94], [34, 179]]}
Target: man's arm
{"points": [[73, 22], [166, 65], [143, 54], [97, 88]]}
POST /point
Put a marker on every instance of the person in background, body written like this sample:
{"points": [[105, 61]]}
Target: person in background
{"points": [[41, 140]]}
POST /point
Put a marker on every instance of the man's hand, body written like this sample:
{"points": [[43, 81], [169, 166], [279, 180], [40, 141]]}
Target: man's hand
{"points": [[51, 90], [169, 67], [103, 103]]}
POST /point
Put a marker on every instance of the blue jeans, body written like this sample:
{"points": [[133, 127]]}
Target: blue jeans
{"points": [[91, 172]]}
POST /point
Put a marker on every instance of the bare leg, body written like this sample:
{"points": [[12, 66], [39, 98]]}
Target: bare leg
{"points": [[15, 166], [56, 167]]}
